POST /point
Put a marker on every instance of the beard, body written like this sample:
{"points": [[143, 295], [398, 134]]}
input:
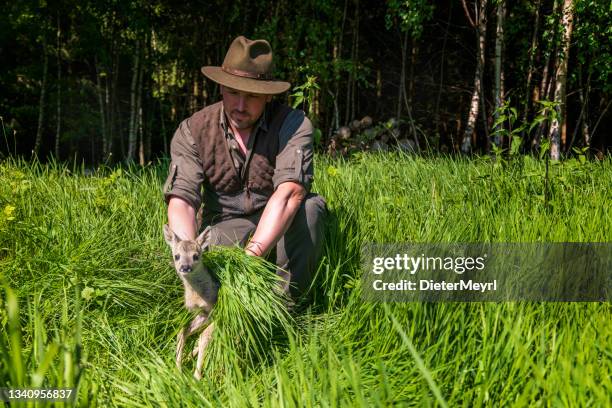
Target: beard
{"points": [[241, 120]]}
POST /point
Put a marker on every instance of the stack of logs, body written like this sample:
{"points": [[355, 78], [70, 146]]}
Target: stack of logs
{"points": [[364, 135]]}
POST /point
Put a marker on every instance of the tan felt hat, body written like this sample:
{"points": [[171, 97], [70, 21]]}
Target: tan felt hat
{"points": [[247, 67]]}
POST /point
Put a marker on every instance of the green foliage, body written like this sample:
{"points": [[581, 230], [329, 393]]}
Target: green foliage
{"points": [[504, 127], [552, 32], [35, 353], [593, 41], [549, 111], [347, 45], [409, 15], [310, 30], [305, 95]]}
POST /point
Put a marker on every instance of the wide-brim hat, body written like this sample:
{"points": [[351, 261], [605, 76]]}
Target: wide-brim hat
{"points": [[247, 67]]}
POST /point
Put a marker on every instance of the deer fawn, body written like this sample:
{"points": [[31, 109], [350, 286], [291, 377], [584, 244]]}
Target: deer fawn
{"points": [[200, 291]]}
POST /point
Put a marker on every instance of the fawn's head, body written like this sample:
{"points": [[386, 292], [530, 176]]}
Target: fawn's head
{"points": [[187, 253]]}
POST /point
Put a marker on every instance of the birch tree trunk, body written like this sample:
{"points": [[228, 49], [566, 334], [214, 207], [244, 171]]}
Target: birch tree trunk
{"points": [[498, 92], [41, 105], [558, 122], [481, 30]]}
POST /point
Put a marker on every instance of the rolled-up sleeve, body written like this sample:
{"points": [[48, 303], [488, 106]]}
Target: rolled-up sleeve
{"points": [[294, 160], [185, 176]]}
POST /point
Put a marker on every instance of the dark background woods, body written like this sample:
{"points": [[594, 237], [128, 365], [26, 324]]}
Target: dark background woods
{"points": [[105, 81]]}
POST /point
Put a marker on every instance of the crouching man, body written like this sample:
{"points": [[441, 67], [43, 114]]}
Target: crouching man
{"points": [[248, 161]]}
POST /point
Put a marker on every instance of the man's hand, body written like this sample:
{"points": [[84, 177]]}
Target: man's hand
{"points": [[276, 218], [181, 218]]}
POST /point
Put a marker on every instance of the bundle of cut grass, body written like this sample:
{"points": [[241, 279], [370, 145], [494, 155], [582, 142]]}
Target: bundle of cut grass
{"points": [[250, 316]]}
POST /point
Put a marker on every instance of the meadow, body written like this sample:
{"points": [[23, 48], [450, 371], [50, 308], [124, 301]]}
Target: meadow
{"points": [[89, 297]]}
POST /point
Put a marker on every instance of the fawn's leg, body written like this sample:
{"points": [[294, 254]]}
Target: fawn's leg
{"points": [[195, 326], [180, 344], [202, 343]]}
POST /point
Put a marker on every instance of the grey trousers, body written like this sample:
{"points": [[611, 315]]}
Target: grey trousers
{"points": [[297, 252]]}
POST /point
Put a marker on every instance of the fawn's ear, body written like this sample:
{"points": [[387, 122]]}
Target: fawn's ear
{"points": [[170, 236], [203, 240]]}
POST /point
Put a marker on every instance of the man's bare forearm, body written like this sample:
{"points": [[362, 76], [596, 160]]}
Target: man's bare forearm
{"points": [[181, 218], [276, 217]]}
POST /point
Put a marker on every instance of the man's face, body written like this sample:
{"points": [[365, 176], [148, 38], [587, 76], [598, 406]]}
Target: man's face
{"points": [[243, 108]]}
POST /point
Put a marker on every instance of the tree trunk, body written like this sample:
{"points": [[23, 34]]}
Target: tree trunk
{"points": [[408, 93], [116, 107], [141, 147], [582, 121], [557, 124], [498, 91], [585, 107], [338, 57], [355, 58], [106, 142], [442, 61], [411, 122], [401, 88], [112, 102], [138, 124], [530, 65], [132, 140], [481, 30], [604, 110], [196, 92], [41, 105], [350, 86], [101, 105], [414, 54], [58, 121], [162, 114]]}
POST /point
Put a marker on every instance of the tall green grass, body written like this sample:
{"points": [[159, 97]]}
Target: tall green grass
{"points": [[87, 273]]}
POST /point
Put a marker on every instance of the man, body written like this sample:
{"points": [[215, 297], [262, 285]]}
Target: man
{"points": [[252, 157]]}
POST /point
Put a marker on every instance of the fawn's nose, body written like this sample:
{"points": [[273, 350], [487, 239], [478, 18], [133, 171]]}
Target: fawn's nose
{"points": [[185, 268]]}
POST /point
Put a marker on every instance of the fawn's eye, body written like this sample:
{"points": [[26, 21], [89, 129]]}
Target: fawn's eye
{"points": [[196, 257], [177, 257]]}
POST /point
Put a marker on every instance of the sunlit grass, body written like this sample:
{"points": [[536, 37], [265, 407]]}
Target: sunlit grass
{"points": [[89, 295]]}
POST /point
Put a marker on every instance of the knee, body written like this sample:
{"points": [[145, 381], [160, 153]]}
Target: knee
{"points": [[315, 208]]}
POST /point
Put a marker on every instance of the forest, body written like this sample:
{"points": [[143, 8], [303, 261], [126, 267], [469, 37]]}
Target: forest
{"points": [[108, 81]]}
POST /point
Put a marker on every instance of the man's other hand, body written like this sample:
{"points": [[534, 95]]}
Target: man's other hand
{"points": [[276, 218]]}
